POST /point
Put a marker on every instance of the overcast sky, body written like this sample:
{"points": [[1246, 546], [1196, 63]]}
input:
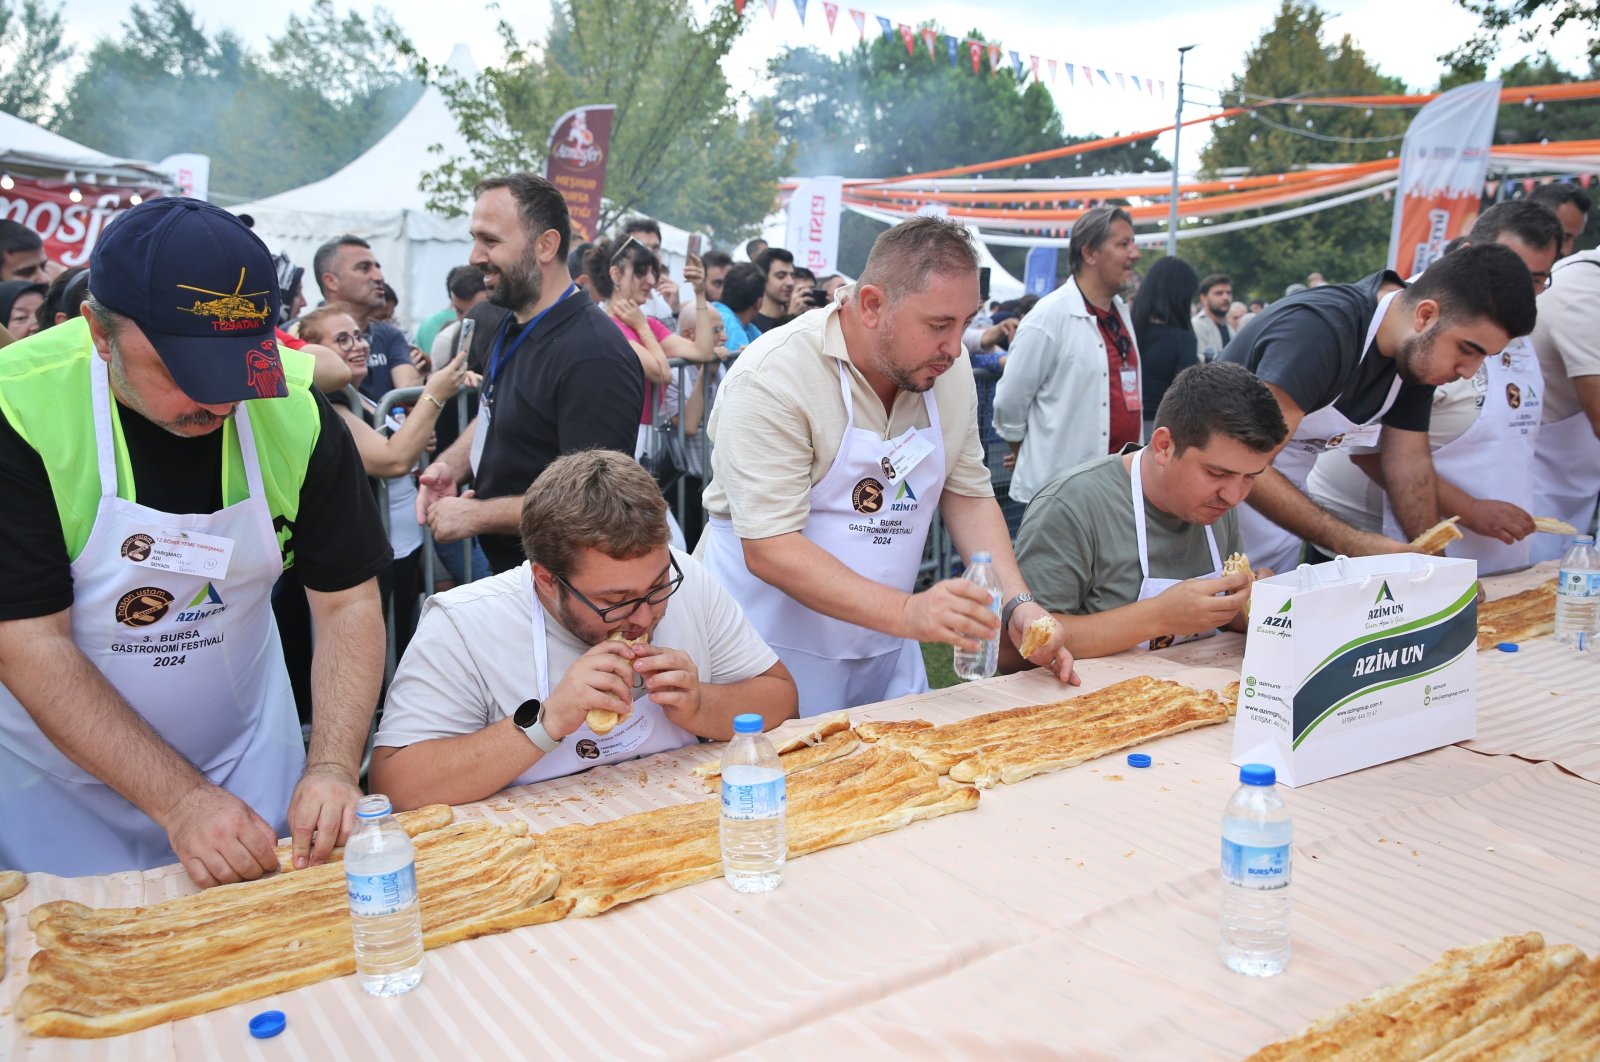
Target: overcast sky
{"points": [[1403, 37]]}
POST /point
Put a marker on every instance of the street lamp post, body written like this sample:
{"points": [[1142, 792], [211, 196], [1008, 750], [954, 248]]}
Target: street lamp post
{"points": [[1177, 136]]}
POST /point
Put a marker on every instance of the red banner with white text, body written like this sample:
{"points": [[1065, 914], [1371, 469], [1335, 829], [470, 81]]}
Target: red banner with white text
{"points": [[575, 163], [69, 228]]}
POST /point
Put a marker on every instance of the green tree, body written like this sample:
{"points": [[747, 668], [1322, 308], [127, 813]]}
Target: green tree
{"points": [[874, 111], [1533, 20], [679, 148], [1343, 243], [163, 85], [32, 49]]}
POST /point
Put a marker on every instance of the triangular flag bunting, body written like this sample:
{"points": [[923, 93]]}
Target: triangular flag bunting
{"points": [[950, 46], [908, 35], [1136, 86], [1088, 75], [994, 58], [1051, 63], [861, 22], [772, 8], [800, 9], [977, 56], [1101, 74], [1034, 60], [1016, 65], [738, 7], [1121, 82], [1072, 78], [928, 38], [1163, 85], [887, 27], [832, 11]]}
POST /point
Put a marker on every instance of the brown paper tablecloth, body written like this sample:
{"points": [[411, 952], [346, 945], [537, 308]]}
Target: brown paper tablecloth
{"points": [[1074, 913]]}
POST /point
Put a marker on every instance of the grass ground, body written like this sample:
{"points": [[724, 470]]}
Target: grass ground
{"points": [[938, 656]]}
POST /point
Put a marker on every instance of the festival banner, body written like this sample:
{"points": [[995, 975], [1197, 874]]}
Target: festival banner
{"points": [[69, 227], [812, 232], [575, 162], [1443, 159], [190, 172], [1039, 277], [950, 46]]}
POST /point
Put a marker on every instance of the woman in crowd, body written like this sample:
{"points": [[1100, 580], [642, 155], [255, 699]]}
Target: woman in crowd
{"points": [[19, 306], [391, 457], [1161, 326]]}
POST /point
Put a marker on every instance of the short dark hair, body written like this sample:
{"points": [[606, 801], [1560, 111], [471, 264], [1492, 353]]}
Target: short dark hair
{"points": [[539, 203], [70, 285], [633, 226], [716, 260], [743, 287], [773, 254], [750, 249], [621, 250], [802, 273], [464, 281], [1211, 280], [1556, 193], [1091, 230], [1221, 398], [575, 259], [1533, 223], [15, 237], [595, 499], [322, 261], [1480, 280]]}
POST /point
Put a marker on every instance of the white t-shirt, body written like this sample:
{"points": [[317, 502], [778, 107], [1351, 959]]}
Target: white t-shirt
{"points": [[471, 662]]}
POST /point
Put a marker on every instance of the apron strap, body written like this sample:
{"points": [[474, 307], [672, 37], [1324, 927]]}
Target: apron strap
{"points": [[247, 452], [104, 435], [541, 652], [844, 393], [1216, 557], [1137, 474]]}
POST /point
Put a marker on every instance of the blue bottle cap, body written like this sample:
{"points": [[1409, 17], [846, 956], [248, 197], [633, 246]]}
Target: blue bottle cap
{"points": [[1257, 774], [1138, 759], [1509, 647], [983, 556], [267, 1024], [748, 723]]}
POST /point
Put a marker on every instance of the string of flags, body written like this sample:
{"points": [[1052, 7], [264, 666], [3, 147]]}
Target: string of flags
{"points": [[955, 49]]}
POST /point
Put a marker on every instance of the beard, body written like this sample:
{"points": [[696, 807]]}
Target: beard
{"points": [[1414, 356], [189, 425], [517, 287], [883, 356]]}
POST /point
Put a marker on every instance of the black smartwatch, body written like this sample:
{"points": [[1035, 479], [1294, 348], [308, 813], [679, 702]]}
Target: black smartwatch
{"points": [[530, 717], [1011, 606]]}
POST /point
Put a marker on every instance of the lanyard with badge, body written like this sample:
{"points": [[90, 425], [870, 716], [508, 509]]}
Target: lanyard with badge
{"points": [[500, 356], [1111, 322]]}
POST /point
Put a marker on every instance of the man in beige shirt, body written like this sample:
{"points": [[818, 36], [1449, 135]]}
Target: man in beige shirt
{"points": [[836, 439]]}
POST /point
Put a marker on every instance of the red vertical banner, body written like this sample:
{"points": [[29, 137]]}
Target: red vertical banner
{"points": [[977, 56], [908, 35], [575, 162], [1443, 160], [994, 58], [929, 38]]}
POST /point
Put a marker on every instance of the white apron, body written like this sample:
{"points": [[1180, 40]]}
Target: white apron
{"points": [[1493, 459], [1149, 587], [875, 526], [197, 657], [643, 733], [1267, 544], [1566, 481]]}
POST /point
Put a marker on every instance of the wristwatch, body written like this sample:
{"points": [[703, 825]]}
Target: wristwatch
{"points": [[530, 717], [1011, 606]]}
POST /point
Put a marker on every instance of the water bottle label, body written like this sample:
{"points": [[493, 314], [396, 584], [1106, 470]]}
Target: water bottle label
{"points": [[1253, 867], [376, 895], [762, 800], [1579, 584]]}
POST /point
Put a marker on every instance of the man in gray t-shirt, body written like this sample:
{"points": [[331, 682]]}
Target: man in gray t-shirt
{"points": [[1152, 575]]}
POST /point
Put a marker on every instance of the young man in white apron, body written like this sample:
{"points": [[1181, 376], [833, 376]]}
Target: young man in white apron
{"points": [[1483, 431], [499, 686], [1127, 550], [148, 717], [1566, 476], [1354, 365], [819, 543]]}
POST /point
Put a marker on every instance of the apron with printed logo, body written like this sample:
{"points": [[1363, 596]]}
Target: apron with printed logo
{"points": [[643, 733], [876, 525], [192, 648], [1267, 544], [1149, 587], [1493, 458]]}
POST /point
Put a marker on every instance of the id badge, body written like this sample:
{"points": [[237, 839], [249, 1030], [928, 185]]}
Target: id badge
{"points": [[1130, 390], [180, 552], [905, 453]]}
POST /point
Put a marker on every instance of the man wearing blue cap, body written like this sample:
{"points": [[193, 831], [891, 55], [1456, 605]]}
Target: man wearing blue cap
{"points": [[163, 461]]}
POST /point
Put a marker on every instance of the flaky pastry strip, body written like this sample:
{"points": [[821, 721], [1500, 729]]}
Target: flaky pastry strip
{"points": [[1437, 537], [788, 738]]}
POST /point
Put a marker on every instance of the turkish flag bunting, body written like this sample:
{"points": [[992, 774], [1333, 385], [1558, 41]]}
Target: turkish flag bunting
{"points": [[1035, 60], [832, 11], [977, 56], [908, 35], [861, 22]]}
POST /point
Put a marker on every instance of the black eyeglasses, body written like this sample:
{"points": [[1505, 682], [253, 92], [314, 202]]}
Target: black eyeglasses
{"points": [[623, 608], [347, 341]]}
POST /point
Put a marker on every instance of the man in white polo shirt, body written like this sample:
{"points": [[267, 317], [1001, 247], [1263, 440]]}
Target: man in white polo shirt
{"points": [[513, 679]]}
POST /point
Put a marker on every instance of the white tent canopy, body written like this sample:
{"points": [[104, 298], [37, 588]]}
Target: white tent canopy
{"points": [[377, 198], [26, 148]]}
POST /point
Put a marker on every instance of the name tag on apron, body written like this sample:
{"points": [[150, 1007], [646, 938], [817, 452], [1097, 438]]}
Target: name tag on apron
{"points": [[1130, 390], [906, 453], [180, 552]]}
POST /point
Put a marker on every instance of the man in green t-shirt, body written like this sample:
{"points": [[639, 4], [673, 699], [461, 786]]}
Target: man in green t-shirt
{"points": [[1151, 575]]}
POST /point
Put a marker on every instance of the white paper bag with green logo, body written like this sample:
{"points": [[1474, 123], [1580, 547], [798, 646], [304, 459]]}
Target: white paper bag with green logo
{"points": [[1356, 662]]}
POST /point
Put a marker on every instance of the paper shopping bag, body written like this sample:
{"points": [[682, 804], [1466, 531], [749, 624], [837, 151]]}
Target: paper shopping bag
{"points": [[1356, 662]]}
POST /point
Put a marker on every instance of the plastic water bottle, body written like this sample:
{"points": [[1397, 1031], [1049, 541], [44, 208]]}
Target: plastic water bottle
{"points": [[981, 664], [381, 872], [1255, 875], [1578, 595], [754, 802]]}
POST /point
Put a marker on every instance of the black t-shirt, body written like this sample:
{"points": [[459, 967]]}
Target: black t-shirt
{"points": [[1311, 345], [338, 539], [389, 348], [1164, 351], [763, 323], [574, 384]]}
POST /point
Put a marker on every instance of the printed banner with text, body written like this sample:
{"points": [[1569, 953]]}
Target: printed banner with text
{"points": [[575, 162], [69, 228], [813, 228], [1442, 163]]}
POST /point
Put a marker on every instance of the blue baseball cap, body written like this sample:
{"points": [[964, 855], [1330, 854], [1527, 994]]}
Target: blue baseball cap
{"points": [[204, 290]]}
